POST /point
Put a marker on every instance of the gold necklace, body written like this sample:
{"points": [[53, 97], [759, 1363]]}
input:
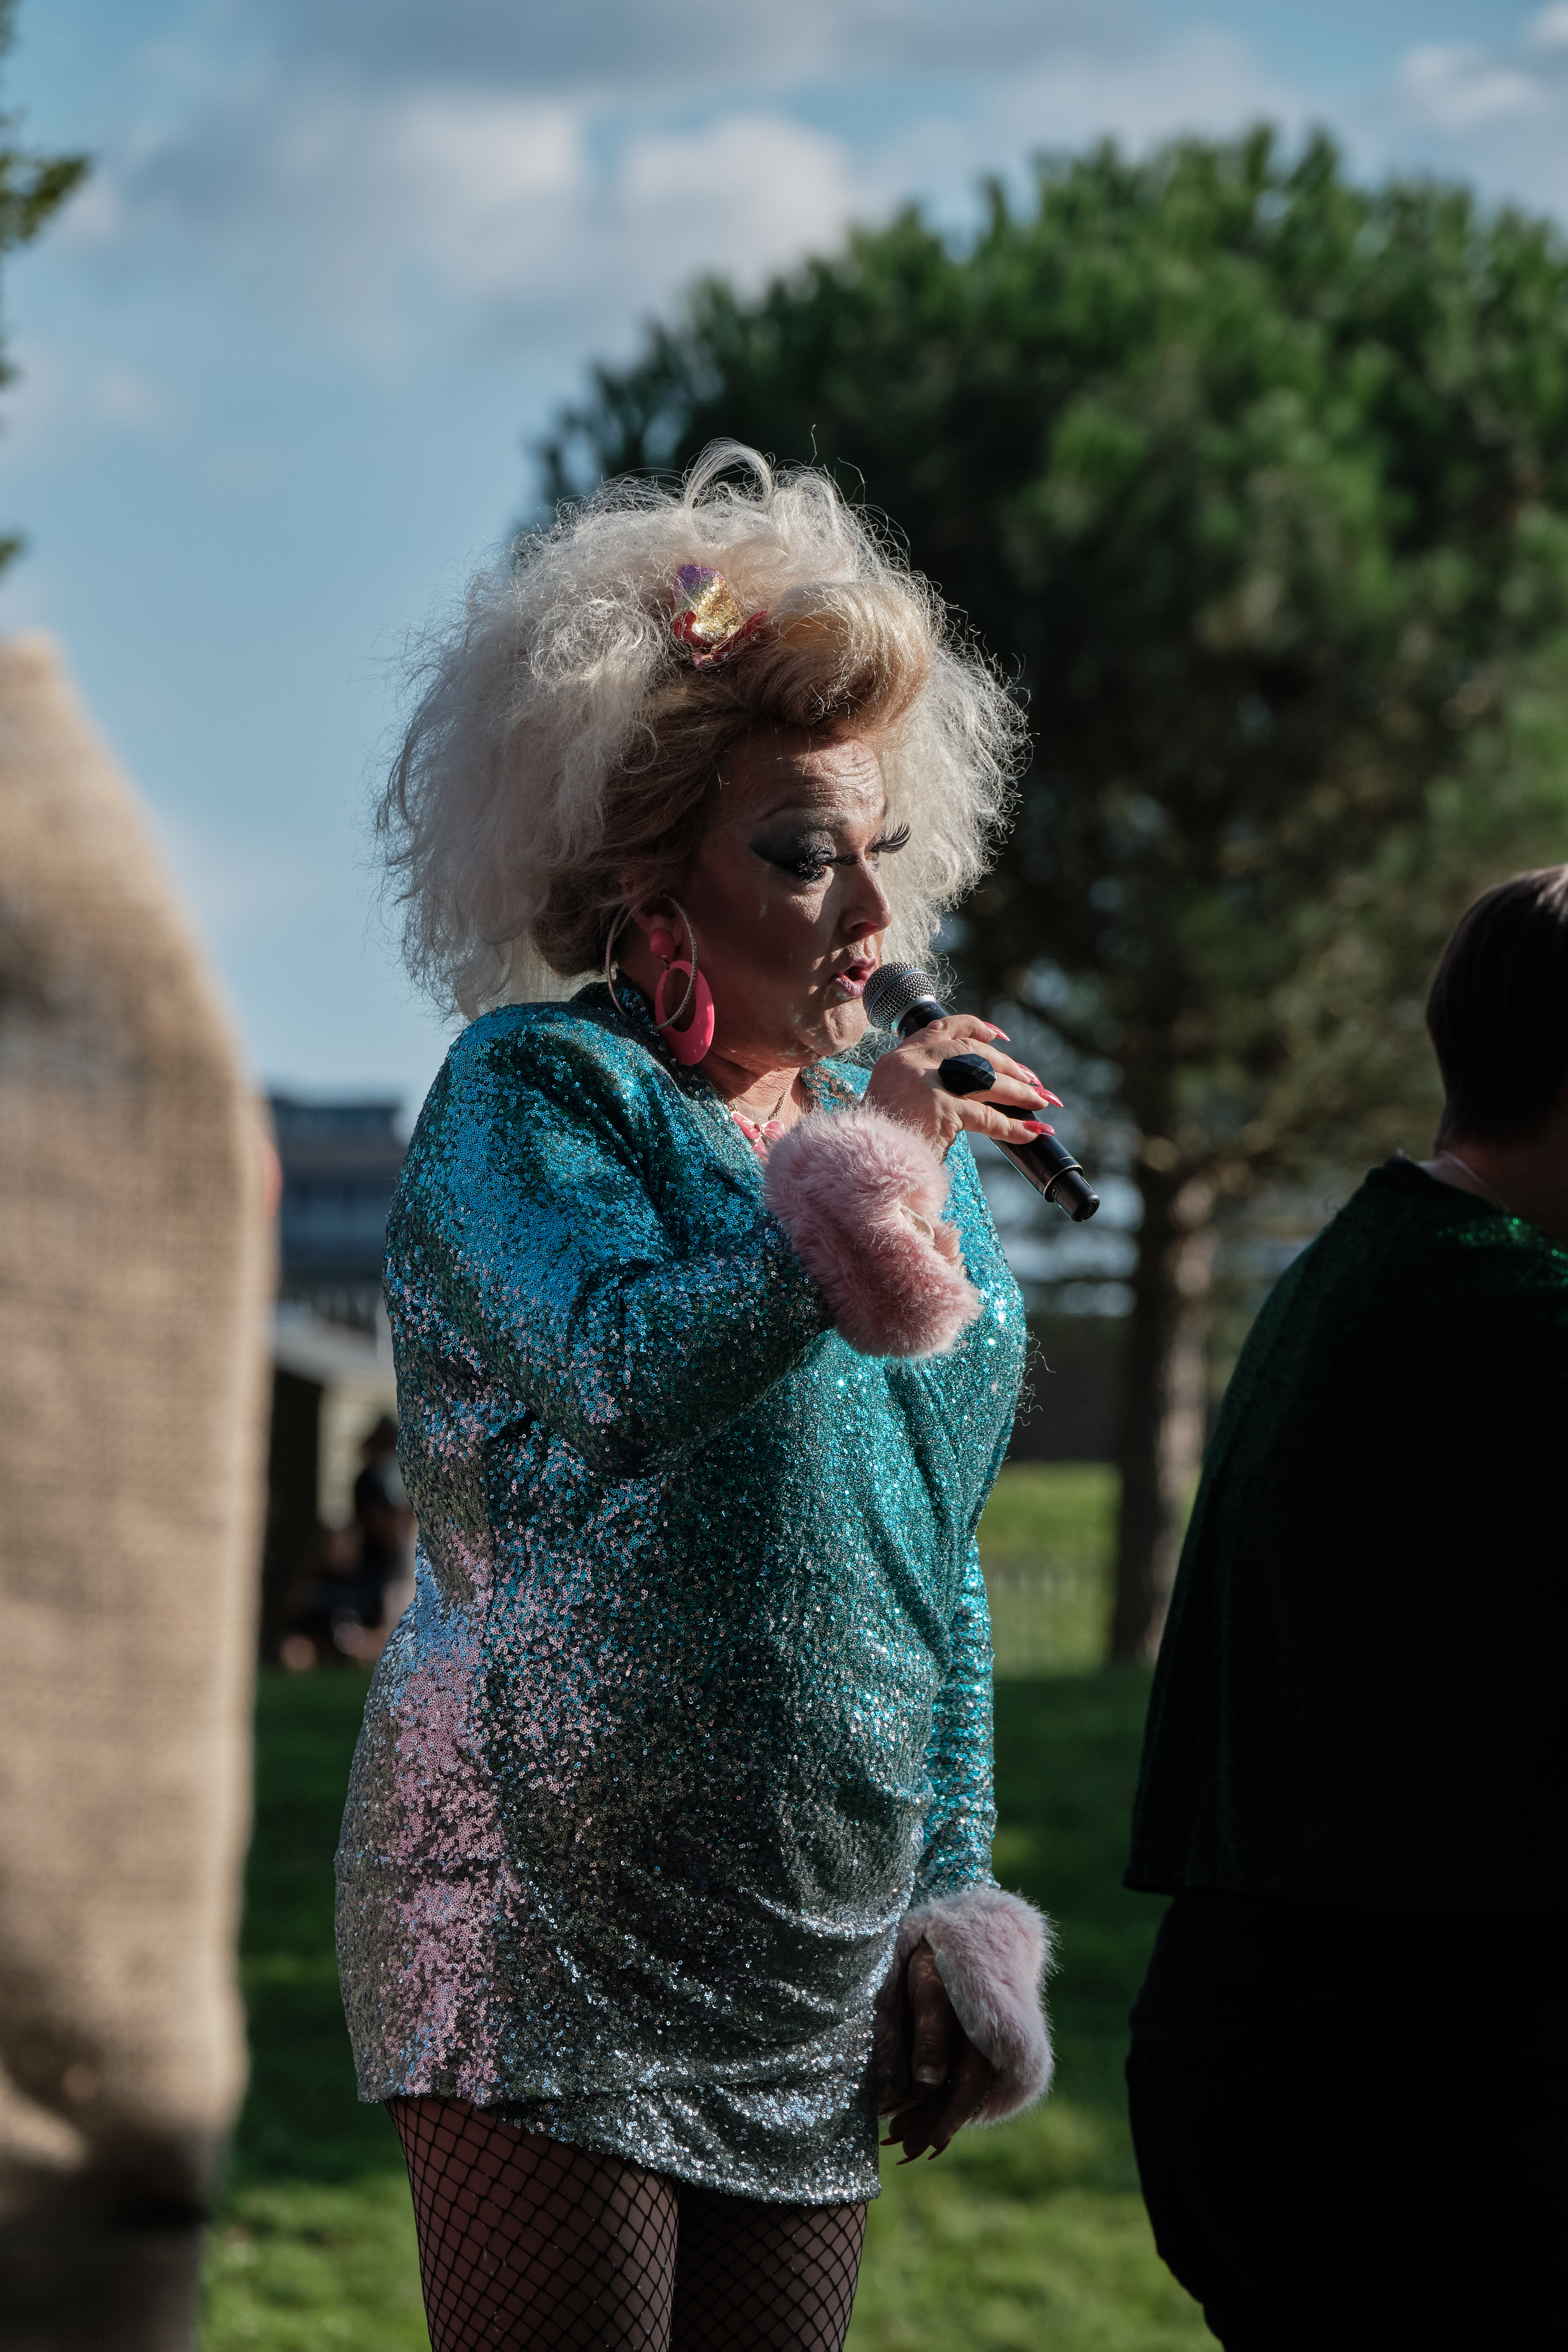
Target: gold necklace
{"points": [[768, 1117], [756, 1130]]}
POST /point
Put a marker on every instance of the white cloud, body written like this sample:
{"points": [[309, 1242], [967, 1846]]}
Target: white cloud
{"points": [[559, 218], [384, 211], [1548, 30], [1204, 80], [742, 194], [1495, 115], [631, 50], [121, 396], [358, 207], [1459, 86], [472, 188], [95, 215], [49, 405]]}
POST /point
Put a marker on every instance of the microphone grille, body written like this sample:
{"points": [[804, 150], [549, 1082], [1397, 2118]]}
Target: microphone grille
{"points": [[891, 991]]}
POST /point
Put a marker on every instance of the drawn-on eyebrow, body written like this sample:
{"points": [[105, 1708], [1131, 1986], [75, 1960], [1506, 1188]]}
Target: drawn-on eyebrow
{"points": [[811, 813]]}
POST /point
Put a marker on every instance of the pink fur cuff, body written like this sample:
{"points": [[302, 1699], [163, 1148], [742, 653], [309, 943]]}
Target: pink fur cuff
{"points": [[992, 1950], [861, 1196]]}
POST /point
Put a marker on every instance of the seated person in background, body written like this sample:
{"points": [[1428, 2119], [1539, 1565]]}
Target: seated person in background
{"points": [[361, 1578], [1349, 2072], [384, 1516]]}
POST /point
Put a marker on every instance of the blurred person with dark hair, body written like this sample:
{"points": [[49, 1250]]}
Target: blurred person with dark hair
{"points": [[1349, 2072], [379, 1476]]}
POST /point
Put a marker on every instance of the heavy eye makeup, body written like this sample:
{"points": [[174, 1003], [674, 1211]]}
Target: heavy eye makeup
{"points": [[807, 857]]}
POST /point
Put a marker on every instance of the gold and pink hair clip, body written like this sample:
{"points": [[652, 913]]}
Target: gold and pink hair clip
{"points": [[709, 619]]}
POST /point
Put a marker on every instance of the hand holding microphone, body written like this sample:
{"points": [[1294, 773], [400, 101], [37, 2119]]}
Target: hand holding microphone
{"points": [[933, 1082]]}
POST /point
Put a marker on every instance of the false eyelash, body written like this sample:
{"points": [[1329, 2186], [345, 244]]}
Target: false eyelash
{"points": [[807, 867], [810, 867]]}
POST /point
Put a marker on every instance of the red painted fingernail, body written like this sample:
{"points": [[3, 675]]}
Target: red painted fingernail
{"points": [[1053, 1098], [1036, 1126]]}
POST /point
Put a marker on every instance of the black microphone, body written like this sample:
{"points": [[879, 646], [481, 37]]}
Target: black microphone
{"points": [[900, 998]]}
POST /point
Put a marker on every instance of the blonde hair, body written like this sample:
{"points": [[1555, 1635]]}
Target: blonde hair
{"points": [[560, 759]]}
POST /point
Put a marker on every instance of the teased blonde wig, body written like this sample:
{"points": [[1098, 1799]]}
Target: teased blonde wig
{"points": [[563, 752]]}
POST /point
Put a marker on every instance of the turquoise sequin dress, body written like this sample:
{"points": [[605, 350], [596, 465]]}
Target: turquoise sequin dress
{"points": [[694, 1698]]}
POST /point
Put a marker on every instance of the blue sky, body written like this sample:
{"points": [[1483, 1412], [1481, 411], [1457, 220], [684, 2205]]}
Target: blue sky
{"points": [[340, 260]]}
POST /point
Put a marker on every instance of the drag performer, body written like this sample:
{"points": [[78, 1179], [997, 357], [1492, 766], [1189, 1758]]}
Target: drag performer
{"points": [[666, 1862]]}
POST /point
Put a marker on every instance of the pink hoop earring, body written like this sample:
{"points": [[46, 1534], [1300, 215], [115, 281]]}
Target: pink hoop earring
{"points": [[688, 1046], [691, 1044]]}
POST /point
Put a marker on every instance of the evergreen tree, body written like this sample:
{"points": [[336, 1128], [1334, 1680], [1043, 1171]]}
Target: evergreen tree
{"points": [[1257, 480], [32, 187]]}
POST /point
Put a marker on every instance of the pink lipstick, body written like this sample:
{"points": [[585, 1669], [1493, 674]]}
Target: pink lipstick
{"points": [[853, 978]]}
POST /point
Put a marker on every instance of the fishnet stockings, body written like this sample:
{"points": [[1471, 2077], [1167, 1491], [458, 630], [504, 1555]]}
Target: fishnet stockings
{"points": [[763, 2278], [524, 2241]]}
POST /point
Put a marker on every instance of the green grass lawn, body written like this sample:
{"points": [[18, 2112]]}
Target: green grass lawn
{"points": [[314, 2245], [1033, 2235], [1045, 1545]]}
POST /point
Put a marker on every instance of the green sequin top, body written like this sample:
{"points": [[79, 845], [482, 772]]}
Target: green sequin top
{"points": [[1362, 1693], [694, 1698]]}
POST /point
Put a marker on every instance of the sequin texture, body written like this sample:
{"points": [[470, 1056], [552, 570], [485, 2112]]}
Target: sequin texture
{"points": [[694, 1696]]}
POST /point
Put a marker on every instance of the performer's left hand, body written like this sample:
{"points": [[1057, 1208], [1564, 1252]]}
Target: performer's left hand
{"points": [[944, 2081]]}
